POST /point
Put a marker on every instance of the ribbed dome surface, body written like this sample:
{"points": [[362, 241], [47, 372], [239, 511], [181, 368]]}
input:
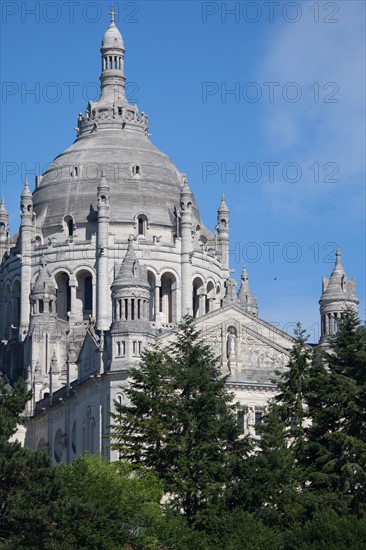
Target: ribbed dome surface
{"points": [[112, 137], [155, 191]]}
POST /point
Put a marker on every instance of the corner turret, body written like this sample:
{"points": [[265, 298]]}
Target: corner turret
{"points": [[338, 295], [131, 298]]}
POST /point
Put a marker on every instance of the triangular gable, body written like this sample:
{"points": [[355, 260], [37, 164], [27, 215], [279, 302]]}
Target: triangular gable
{"points": [[89, 357], [250, 349]]}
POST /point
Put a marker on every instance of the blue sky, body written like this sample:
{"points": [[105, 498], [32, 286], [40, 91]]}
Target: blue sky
{"points": [[261, 100]]}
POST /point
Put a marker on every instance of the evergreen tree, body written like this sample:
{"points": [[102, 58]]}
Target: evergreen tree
{"points": [[336, 448], [32, 504], [140, 428], [292, 385], [273, 476], [186, 430]]}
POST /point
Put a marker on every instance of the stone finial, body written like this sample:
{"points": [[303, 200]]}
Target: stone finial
{"points": [[26, 191], [230, 296], [54, 369], [223, 207], [245, 297], [103, 184], [3, 209]]}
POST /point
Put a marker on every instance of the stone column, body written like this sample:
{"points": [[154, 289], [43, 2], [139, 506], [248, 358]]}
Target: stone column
{"points": [[103, 288], [26, 229], [157, 303], [187, 249]]}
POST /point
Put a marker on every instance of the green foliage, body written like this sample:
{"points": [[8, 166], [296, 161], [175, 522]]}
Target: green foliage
{"points": [[31, 500], [12, 404], [336, 449], [240, 530], [180, 422], [327, 531], [140, 429], [115, 504], [272, 477], [302, 487]]}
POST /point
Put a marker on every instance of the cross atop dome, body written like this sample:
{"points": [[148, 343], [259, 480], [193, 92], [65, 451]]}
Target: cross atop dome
{"points": [[112, 13]]}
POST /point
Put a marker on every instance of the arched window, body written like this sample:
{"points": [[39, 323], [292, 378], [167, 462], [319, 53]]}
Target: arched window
{"points": [[88, 293], [136, 170], [197, 293], [168, 298], [210, 297], [152, 282], [69, 226], [63, 300], [142, 225], [84, 294], [42, 445], [15, 304]]}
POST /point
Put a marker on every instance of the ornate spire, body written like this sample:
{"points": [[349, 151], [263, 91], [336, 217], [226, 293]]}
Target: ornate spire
{"points": [[131, 274], [26, 204], [338, 287], [4, 221], [26, 191], [246, 299], [223, 206], [338, 295], [113, 52], [112, 110], [103, 184], [3, 209]]}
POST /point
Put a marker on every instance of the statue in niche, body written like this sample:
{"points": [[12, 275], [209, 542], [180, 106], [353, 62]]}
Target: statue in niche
{"points": [[231, 344]]}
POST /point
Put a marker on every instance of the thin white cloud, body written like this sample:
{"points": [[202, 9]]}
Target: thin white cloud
{"points": [[308, 131]]}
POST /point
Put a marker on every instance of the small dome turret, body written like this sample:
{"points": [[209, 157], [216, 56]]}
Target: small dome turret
{"points": [[131, 274], [338, 295], [130, 291], [43, 293], [112, 38]]}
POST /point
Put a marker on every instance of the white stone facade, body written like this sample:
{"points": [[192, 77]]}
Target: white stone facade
{"points": [[111, 253]]}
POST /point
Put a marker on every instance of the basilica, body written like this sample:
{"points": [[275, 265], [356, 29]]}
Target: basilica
{"points": [[111, 254]]}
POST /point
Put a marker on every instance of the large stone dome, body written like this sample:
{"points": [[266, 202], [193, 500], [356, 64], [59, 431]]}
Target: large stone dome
{"points": [[141, 178], [112, 137]]}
